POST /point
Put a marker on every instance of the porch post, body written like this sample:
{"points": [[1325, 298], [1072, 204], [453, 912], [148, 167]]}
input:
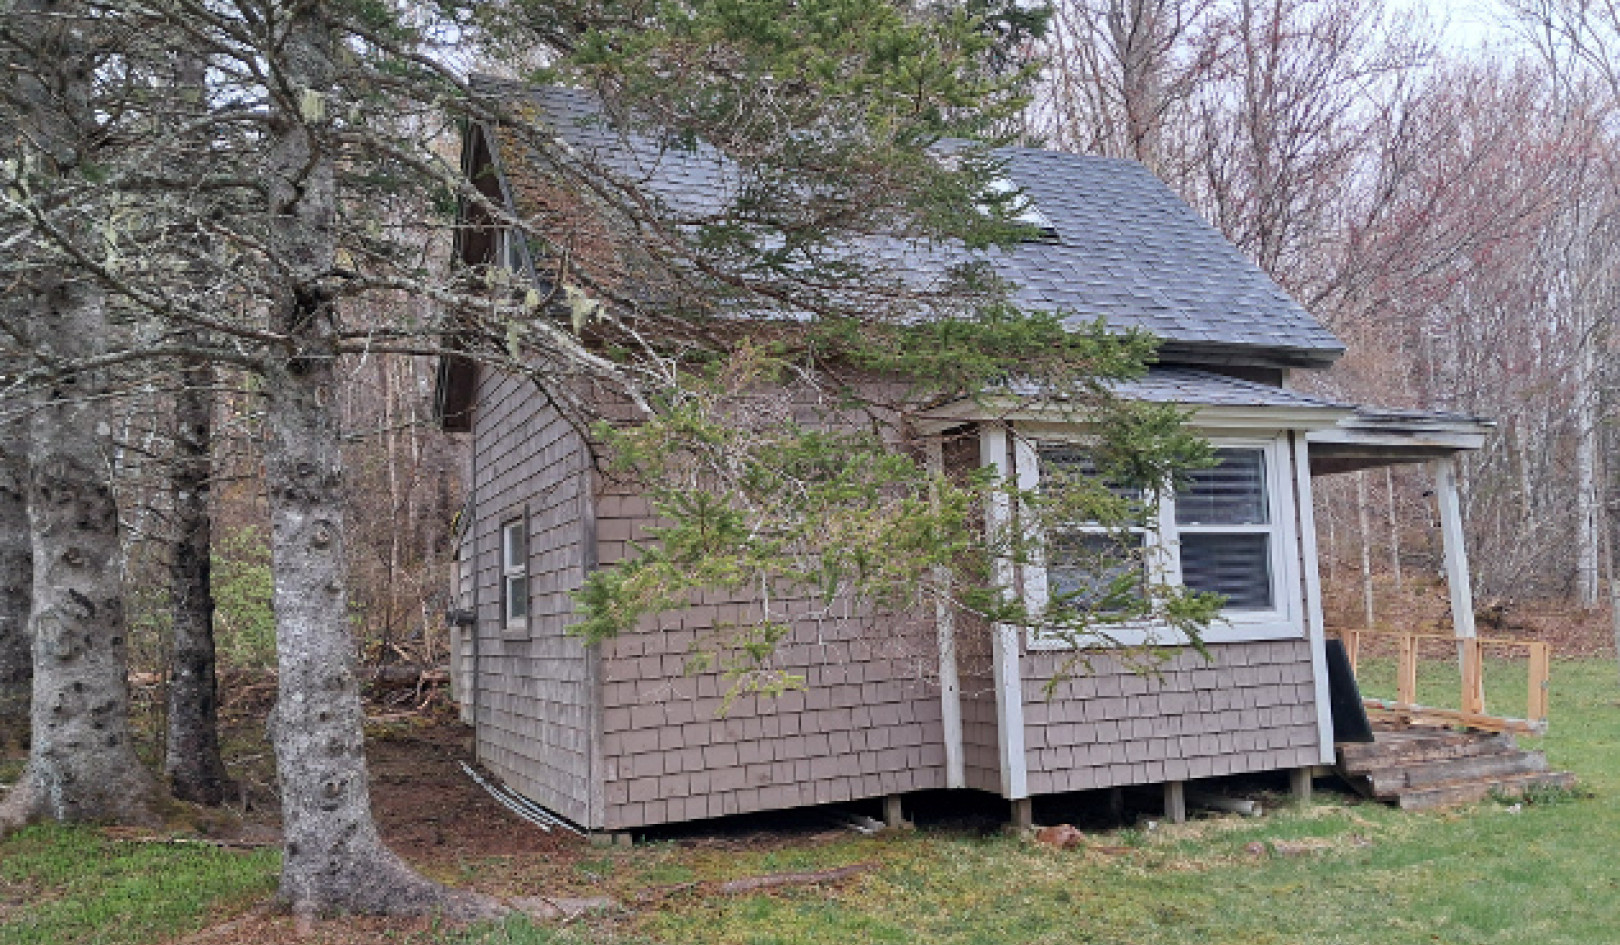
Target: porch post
{"points": [[1462, 591], [993, 451], [1315, 626], [1451, 533]]}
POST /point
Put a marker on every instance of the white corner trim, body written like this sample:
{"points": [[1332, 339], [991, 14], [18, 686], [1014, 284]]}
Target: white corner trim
{"points": [[950, 684], [1313, 598], [993, 443]]}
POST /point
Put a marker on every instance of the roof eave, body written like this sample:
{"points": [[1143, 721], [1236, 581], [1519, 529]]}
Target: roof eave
{"points": [[1247, 355]]}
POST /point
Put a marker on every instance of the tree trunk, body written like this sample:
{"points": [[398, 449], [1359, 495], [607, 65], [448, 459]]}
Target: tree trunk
{"points": [[1586, 477], [334, 859], [81, 764], [16, 580], [1138, 35], [191, 760]]}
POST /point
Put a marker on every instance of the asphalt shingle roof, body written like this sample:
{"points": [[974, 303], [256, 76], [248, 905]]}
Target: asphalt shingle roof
{"points": [[1131, 251], [1128, 250]]}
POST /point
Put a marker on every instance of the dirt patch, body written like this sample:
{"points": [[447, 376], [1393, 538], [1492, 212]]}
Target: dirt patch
{"points": [[426, 808], [430, 812]]}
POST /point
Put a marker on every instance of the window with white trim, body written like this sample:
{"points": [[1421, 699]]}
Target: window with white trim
{"points": [[1226, 530], [515, 574]]}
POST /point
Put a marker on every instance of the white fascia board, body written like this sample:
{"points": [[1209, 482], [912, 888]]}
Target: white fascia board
{"points": [[1453, 439], [1211, 417]]}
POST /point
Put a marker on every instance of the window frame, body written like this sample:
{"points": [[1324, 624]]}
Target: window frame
{"points": [[510, 250], [1284, 620], [511, 571]]}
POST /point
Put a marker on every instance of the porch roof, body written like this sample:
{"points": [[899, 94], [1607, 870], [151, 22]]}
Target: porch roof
{"points": [[1373, 437]]}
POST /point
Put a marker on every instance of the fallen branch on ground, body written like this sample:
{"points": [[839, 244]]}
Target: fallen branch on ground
{"points": [[750, 884], [121, 835], [774, 880]]}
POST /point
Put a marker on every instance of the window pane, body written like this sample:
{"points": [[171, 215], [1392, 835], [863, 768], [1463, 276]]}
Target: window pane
{"points": [[512, 546], [1086, 565], [1238, 566], [1232, 493], [1076, 462], [517, 598]]}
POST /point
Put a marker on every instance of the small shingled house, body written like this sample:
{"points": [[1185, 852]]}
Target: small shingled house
{"points": [[621, 736]]}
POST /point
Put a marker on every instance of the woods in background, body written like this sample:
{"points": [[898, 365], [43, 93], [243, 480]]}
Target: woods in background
{"points": [[1450, 213]]}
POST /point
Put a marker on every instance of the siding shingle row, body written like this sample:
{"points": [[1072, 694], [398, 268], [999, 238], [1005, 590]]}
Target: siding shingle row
{"points": [[1251, 707]]}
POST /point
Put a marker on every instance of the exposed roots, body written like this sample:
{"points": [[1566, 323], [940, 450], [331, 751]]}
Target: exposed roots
{"points": [[383, 884], [134, 802]]}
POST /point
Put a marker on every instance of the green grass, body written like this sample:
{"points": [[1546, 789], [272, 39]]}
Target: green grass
{"points": [[1494, 874], [1440, 686], [60, 885]]}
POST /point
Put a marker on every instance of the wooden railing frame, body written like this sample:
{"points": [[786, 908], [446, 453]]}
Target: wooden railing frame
{"points": [[1471, 661]]}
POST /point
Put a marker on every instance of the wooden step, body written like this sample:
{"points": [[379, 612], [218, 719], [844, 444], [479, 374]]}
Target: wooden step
{"points": [[1467, 792], [1419, 745], [1390, 780], [1419, 768]]}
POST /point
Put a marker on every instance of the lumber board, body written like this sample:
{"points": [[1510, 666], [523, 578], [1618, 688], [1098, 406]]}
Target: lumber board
{"points": [[1540, 660], [1488, 723]]}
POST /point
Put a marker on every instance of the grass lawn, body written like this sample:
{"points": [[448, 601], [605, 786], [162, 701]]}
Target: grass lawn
{"points": [[1544, 872], [61, 886]]}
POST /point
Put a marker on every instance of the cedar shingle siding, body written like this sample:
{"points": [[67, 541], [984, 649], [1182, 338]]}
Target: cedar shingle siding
{"points": [[867, 723], [1250, 708], [536, 703]]}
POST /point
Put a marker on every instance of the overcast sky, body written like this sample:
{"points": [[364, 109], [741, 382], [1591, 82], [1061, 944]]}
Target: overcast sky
{"points": [[1468, 23]]}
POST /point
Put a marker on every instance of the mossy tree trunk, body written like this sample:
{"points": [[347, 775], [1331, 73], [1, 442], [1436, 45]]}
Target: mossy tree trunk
{"points": [[334, 859], [82, 765], [16, 583]]}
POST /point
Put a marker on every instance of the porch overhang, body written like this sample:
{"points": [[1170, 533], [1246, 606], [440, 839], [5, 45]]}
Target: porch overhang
{"points": [[1374, 437]]}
